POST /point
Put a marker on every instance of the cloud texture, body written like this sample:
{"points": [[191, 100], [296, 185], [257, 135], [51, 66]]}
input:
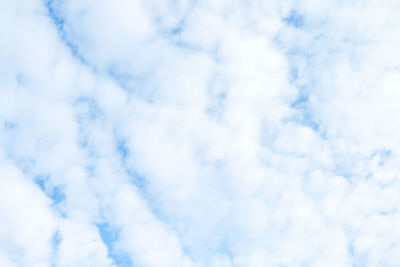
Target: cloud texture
{"points": [[199, 133]]}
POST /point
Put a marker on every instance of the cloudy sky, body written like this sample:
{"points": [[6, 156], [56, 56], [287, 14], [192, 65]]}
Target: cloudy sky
{"points": [[184, 133]]}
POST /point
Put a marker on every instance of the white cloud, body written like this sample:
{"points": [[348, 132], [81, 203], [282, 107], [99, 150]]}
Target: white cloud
{"points": [[4, 261], [186, 133], [81, 245], [26, 220]]}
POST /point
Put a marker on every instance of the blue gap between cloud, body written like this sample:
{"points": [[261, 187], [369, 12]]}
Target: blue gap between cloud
{"points": [[294, 19], [110, 235], [59, 22]]}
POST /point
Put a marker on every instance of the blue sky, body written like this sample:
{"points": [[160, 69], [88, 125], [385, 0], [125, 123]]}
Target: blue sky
{"points": [[199, 133]]}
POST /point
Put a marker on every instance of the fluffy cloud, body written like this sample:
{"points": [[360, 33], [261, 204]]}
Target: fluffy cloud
{"points": [[186, 133], [22, 202]]}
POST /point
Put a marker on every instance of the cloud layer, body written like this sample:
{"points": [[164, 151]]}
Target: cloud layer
{"points": [[199, 133]]}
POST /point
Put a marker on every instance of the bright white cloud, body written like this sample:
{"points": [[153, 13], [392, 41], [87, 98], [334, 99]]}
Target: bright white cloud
{"points": [[27, 224], [199, 133]]}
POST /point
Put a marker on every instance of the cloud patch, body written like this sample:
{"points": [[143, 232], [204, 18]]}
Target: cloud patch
{"points": [[187, 133]]}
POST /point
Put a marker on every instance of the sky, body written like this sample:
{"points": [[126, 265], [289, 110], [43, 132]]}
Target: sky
{"points": [[184, 133]]}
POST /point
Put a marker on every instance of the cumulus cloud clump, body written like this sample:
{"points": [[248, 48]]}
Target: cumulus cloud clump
{"points": [[199, 133]]}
